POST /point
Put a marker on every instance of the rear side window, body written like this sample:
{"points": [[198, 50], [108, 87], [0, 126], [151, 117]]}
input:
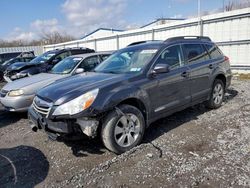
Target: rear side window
{"points": [[195, 53], [213, 51]]}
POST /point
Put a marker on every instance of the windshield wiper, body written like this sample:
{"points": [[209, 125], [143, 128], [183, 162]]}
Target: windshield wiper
{"points": [[111, 72]]}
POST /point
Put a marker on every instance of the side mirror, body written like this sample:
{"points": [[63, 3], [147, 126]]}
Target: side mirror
{"points": [[79, 70], [161, 68]]}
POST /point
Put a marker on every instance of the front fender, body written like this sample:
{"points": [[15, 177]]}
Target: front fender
{"points": [[31, 71], [114, 97]]}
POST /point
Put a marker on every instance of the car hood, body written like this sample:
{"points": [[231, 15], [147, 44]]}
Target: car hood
{"points": [[28, 81], [69, 88], [17, 66]]}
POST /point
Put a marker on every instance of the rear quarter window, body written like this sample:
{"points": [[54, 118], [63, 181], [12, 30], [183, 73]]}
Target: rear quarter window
{"points": [[213, 51]]}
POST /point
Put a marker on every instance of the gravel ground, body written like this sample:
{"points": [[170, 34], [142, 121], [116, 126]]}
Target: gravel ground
{"points": [[193, 148]]}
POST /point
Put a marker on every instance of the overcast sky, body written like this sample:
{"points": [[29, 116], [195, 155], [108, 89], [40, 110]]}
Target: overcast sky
{"points": [[27, 19]]}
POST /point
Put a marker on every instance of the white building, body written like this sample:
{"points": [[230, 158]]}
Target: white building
{"points": [[230, 30]]}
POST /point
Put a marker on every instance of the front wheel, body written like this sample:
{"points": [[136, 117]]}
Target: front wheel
{"points": [[217, 95], [123, 129]]}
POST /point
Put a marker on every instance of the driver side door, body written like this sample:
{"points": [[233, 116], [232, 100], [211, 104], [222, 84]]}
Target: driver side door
{"points": [[173, 88]]}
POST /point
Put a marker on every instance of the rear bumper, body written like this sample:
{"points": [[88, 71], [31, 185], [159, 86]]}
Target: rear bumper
{"points": [[17, 104], [64, 127]]}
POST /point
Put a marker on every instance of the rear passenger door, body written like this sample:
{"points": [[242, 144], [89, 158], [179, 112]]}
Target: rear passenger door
{"points": [[198, 59]]}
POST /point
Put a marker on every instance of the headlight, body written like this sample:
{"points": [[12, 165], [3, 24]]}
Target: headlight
{"points": [[15, 93], [78, 104]]}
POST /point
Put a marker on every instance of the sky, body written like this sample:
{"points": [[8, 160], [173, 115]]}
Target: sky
{"points": [[29, 19]]}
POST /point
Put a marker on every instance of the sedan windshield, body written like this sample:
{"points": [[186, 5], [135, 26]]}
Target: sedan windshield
{"points": [[42, 58], [8, 62], [127, 61], [66, 65]]}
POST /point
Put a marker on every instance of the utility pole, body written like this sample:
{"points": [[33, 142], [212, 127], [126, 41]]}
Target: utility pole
{"points": [[199, 19]]}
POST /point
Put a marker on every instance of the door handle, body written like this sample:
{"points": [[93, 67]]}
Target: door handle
{"points": [[211, 66], [185, 74]]}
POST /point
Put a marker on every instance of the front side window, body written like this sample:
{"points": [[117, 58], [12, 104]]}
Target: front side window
{"points": [[171, 56], [66, 65], [195, 53], [90, 63], [128, 60], [104, 57]]}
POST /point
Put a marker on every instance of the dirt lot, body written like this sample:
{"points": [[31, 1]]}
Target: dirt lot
{"points": [[195, 147]]}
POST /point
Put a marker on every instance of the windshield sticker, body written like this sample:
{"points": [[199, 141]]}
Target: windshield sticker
{"points": [[135, 69], [77, 59], [151, 51]]}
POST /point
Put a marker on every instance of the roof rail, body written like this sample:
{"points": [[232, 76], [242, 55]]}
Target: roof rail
{"points": [[141, 42], [188, 38]]}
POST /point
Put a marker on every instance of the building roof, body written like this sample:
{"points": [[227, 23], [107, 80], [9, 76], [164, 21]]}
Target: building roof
{"points": [[101, 28], [162, 19]]}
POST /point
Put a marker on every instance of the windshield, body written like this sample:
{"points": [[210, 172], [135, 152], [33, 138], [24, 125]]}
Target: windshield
{"points": [[66, 65], [127, 61], [42, 58], [7, 62]]}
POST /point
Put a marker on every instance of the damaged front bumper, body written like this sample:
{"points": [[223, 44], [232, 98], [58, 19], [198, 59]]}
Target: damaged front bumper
{"points": [[68, 127]]}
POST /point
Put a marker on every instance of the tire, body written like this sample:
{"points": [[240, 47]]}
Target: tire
{"points": [[1, 77], [123, 129], [217, 95]]}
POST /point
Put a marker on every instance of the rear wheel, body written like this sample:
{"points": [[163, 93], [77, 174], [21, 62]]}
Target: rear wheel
{"points": [[123, 129], [217, 95]]}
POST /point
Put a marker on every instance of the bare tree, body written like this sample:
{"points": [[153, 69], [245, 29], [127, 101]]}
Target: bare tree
{"points": [[229, 6], [55, 37], [45, 38], [233, 5]]}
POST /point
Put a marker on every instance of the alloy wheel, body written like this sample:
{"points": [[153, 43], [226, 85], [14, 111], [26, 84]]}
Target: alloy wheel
{"points": [[218, 93], [127, 130]]}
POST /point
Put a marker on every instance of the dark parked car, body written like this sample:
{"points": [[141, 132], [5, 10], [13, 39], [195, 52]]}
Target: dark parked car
{"points": [[132, 88], [42, 63], [7, 56], [6, 64]]}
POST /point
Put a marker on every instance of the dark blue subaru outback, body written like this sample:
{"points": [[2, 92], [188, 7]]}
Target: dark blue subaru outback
{"points": [[132, 88]]}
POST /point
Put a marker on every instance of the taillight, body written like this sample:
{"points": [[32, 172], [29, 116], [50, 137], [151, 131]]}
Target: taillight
{"points": [[226, 59]]}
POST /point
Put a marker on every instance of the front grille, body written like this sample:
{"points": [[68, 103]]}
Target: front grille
{"points": [[41, 106], [3, 93]]}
